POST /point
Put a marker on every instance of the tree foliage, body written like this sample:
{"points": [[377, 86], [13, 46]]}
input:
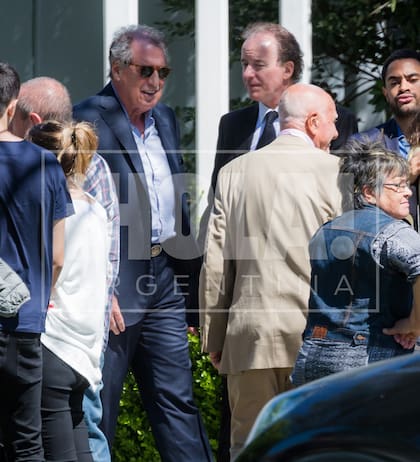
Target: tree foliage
{"points": [[358, 35], [351, 38]]}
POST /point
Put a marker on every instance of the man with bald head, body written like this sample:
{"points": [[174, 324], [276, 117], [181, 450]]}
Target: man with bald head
{"points": [[254, 283], [41, 98], [271, 61]]}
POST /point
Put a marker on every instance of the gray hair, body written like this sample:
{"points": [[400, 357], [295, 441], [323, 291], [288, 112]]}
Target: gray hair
{"points": [[47, 97], [120, 49], [370, 163]]}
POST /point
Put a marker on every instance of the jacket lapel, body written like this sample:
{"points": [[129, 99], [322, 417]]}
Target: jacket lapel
{"points": [[247, 126], [114, 116]]}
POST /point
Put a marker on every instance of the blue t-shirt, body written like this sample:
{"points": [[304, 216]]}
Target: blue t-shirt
{"points": [[33, 194]]}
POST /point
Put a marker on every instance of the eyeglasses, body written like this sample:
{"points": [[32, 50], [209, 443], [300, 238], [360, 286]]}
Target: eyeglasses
{"points": [[146, 71], [398, 187]]}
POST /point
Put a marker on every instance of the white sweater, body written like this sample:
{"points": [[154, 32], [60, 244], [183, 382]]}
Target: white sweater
{"points": [[74, 327]]}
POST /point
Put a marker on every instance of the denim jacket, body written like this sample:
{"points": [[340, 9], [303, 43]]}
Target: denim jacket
{"points": [[352, 286]]}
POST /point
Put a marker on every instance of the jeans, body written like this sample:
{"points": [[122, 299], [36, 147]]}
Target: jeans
{"points": [[92, 408], [318, 357], [64, 432], [20, 395]]}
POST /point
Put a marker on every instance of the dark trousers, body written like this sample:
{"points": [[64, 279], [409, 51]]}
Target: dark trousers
{"points": [[223, 450], [64, 432], [156, 349], [20, 395]]}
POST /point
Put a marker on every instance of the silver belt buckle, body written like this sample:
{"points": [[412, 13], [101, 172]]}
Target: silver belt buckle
{"points": [[155, 250]]}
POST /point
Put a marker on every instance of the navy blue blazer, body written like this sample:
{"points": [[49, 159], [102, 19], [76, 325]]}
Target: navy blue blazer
{"points": [[386, 133], [117, 146]]}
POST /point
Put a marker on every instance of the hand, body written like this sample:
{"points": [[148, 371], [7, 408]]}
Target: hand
{"points": [[193, 330], [116, 322], [403, 333], [215, 357], [414, 163], [407, 341]]}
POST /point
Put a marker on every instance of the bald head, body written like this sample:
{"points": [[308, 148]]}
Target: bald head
{"points": [[41, 98], [310, 109]]}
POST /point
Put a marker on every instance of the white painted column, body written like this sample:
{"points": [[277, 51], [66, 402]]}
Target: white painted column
{"points": [[115, 15], [295, 16], [212, 85]]}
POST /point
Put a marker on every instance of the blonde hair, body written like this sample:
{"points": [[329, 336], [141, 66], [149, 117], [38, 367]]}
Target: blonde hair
{"points": [[74, 143]]}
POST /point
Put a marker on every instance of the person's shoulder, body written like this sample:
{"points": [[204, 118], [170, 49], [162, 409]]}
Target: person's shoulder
{"points": [[369, 135], [32, 151], [98, 161], [88, 104], [93, 102], [241, 113], [378, 130], [163, 110]]}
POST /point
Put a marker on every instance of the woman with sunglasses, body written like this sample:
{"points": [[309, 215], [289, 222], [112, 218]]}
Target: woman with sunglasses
{"points": [[363, 268]]}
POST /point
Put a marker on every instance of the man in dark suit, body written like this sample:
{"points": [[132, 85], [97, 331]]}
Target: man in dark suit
{"points": [[139, 138], [271, 62]]}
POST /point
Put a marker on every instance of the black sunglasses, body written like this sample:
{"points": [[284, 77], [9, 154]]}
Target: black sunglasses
{"points": [[146, 71]]}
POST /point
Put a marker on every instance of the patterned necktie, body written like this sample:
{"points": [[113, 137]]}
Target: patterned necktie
{"points": [[268, 134]]}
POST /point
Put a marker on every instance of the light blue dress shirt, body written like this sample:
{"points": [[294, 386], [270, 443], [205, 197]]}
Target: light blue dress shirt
{"points": [[158, 178], [158, 175], [262, 111]]}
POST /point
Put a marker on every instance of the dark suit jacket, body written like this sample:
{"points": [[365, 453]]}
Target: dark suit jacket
{"points": [[346, 125], [117, 146], [236, 130], [386, 133]]}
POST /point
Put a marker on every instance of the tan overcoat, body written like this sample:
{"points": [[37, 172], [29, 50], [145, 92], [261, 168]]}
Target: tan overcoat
{"points": [[255, 280]]}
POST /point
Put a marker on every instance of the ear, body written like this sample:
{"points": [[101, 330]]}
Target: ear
{"points": [[11, 109], [35, 118], [115, 71], [311, 125], [288, 67], [369, 195]]}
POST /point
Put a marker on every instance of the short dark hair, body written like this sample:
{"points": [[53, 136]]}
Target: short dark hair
{"points": [[403, 53], [288, 47], [9, 85]]}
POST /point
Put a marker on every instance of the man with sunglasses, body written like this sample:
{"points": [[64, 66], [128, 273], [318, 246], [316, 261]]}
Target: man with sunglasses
{"points": [[139, 138]]}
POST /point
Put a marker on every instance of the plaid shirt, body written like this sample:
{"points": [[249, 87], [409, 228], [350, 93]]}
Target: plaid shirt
{"points": [[99, 183]]}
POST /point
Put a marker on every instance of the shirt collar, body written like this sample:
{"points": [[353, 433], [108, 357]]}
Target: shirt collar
{"points": [[298, 133], [262, 111]]}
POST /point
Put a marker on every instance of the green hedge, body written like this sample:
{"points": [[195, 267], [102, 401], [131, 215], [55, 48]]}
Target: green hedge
{"points": [[134, 441]]}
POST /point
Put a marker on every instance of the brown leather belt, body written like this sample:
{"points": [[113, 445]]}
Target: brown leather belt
{"points": [[155, 250]]}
